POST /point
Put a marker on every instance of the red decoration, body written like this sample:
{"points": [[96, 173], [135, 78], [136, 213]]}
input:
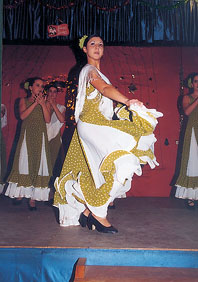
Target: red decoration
{"points": [[58, 30]]}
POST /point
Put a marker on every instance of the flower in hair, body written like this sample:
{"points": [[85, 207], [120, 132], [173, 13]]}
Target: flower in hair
{"points": [[26, 85], [189, 83], [81, 41]]}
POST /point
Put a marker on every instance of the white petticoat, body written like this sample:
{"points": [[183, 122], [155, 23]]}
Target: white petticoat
{"points": [[35, 193]]}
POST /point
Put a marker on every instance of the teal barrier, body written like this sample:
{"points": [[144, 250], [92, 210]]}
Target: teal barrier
{"points": [[57, 264]]}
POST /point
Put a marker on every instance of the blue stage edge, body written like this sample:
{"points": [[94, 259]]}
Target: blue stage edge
{"points": [[57, 264]]}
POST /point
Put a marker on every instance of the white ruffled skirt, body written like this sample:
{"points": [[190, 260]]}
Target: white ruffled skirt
{"points": [[99, 142]]}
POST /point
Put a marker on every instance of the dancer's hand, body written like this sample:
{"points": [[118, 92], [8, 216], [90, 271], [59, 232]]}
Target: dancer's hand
{"points": [[134, 102], [52, 101], [40, 99]]}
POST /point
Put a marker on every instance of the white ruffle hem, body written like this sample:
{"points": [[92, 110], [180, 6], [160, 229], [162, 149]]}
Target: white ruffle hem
{"points": [[35, 193]]}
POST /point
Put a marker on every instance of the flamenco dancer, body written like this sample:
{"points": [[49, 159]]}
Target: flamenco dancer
{"points": [[104, 153], [187, 182], [31, 170]]}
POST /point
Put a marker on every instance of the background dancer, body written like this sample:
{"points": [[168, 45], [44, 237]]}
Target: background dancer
{"points": [[187, 182], [31, 169], [57, 113]]}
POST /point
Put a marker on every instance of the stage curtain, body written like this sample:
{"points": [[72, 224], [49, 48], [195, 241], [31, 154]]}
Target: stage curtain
{"points": [[118, 22]]}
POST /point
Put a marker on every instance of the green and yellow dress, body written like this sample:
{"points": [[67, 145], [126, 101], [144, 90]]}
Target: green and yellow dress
{"points": [[31, 169], [187, 182], [104, 153], [3, 163], [55, 141]]}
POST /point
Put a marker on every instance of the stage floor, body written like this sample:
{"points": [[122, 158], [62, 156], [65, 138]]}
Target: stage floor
{"points": [[148, 223]]}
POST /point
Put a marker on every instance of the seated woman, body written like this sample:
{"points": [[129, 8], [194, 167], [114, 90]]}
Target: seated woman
{"points": [[104, 153]]}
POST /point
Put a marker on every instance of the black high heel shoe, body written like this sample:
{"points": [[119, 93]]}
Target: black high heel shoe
{"points": [[190, 204], [111, 207], [16, 202], [93, 223], [83, 219], [31, 208]]}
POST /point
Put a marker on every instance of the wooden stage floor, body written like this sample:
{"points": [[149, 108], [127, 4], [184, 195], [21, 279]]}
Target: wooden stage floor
{"points": [[148, 223]]}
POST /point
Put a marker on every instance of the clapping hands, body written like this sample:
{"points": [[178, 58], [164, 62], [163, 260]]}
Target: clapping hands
{"points": [[51, 100], [40, 99]]}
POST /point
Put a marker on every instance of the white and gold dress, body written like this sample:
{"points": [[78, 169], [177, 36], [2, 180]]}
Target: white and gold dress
{"points": [[104, 153]]}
